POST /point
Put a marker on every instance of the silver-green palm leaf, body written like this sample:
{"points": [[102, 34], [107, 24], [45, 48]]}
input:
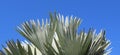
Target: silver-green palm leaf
{"points": [[59, 36]]}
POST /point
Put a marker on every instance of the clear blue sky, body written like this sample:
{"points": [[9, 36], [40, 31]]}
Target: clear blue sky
{"points": [[102, 14]]}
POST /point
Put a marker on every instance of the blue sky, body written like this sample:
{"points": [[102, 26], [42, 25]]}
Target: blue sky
{"points": [[102, 14]]}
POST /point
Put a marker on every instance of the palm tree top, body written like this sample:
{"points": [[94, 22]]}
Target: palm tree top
{"points": [[58, 36]]}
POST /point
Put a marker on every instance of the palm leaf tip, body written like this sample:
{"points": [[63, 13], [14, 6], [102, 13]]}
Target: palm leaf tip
{"points": [[20, 48]]}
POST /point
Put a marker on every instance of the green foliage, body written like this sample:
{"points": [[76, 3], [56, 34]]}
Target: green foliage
{"points": [[58, 37], [17, 49]]}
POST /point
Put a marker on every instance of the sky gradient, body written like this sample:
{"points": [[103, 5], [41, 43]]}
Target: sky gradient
{"points": [[103, 14]]}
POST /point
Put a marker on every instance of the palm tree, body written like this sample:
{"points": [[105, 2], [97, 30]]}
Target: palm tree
{"points": [[58, 36]]}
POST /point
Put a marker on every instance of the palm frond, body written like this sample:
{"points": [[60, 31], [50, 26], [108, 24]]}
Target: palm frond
{"points": [[71, 43], [38, 34], [18, 49]]}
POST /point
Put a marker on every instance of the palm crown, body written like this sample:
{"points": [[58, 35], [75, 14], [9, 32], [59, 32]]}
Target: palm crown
{"points": [[58, 36]]}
